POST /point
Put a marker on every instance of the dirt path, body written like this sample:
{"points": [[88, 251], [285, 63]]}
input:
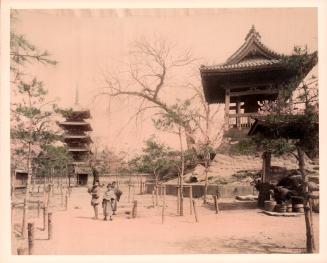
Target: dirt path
{"points": [[232, 231]]}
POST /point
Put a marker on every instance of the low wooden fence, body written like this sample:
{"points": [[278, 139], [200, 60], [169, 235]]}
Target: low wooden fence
{"points": [[198, 190]]}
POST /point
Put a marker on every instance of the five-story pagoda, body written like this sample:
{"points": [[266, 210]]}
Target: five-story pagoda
{"points": [[77, 139]]}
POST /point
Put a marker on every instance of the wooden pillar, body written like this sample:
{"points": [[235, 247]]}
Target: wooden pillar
{"points": [[30, 235], [134, 211], [227, 102], [163, 205], [49, 226], [153, 204], [238, 111], [38, 208], [195, 213], [45, 212], [24, 216], [191, 199], [66, 201], [249, 122], [129, 191], [141, 187]]}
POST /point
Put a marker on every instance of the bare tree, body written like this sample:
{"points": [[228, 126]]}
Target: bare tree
{"points": [[211, 133], [147, 74]]}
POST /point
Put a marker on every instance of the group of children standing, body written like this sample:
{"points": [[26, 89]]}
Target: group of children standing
{"points": [[109, 200]]}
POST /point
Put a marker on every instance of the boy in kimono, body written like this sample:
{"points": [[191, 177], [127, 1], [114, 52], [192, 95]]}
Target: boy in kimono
{"points": [[95, 195]]}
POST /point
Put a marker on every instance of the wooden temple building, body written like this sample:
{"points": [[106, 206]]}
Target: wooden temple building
{"points": [[250, 76], [77, 139], [253, 74]]}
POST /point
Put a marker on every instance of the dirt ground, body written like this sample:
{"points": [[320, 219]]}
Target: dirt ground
{"points": [[238, 228]]}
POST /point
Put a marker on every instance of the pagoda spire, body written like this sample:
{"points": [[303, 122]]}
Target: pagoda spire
{"points": [[76, 96]]}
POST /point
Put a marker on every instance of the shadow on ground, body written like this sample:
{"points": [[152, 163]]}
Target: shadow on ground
{"points": [[236, 205], [253, 247]]}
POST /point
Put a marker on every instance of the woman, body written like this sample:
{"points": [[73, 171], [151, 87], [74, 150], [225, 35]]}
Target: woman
{"points": [[108, 202], [95, 193], [118, 194]]}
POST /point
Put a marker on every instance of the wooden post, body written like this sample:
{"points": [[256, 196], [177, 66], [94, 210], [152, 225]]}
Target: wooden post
{"points": [[156, 187], [38, 208], [49, 226], [227, 101], [30, 234], [129, 191], [310, 242], [153, 198], [195, 213], [134, 211], [61, 195], [45, 212], [133, 190], [141, 187], [178, 201], [181, 204], [191, 199], [49, 194], [215, 198], [163, 204], [66, 202], [24, 217]]}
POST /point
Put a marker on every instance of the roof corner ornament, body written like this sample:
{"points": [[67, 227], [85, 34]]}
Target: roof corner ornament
{"points": [[76, 96], [252, 33]]}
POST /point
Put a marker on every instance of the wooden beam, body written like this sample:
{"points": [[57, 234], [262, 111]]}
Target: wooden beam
{"points": [[234, 107], [253, 92], [251, 85], [235, 115]]}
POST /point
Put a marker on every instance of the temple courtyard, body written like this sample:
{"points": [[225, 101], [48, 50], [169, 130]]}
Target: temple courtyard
{"points": [[237, 228]]}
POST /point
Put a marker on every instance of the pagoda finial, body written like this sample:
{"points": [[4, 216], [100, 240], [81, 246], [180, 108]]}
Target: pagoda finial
{"points": [[253, 33], [76, 96]]}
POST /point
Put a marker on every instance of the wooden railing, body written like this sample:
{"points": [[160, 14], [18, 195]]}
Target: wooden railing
{"points": [[242, 120]]}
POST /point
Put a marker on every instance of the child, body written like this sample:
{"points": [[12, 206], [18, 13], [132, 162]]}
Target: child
{"points": [[108, 201]]}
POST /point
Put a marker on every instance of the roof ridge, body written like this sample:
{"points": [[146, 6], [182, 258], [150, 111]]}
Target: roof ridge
{"points": [[252, 37]]}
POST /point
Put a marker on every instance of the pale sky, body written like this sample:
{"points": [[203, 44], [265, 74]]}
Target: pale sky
{"points": [[85, 43]]}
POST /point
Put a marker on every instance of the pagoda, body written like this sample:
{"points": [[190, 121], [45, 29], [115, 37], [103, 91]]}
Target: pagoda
{"points": [[77, 139], [253, 74]]}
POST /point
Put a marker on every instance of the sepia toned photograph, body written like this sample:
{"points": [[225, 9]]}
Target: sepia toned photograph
{"points": [[163, 131]]}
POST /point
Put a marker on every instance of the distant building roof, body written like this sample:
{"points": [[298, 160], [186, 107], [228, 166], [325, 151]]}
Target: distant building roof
{"points": [[85, 126]]}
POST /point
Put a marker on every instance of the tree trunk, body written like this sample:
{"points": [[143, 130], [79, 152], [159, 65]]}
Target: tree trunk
{"points": [[308, 218], [205, 186], [28, 186], [156, 187], [266, 166], [189, 134], [207, 164], [181, 174]]}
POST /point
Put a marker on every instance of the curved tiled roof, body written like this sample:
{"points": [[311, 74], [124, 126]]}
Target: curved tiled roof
{"points": [[243, 65], [252, 54]]}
